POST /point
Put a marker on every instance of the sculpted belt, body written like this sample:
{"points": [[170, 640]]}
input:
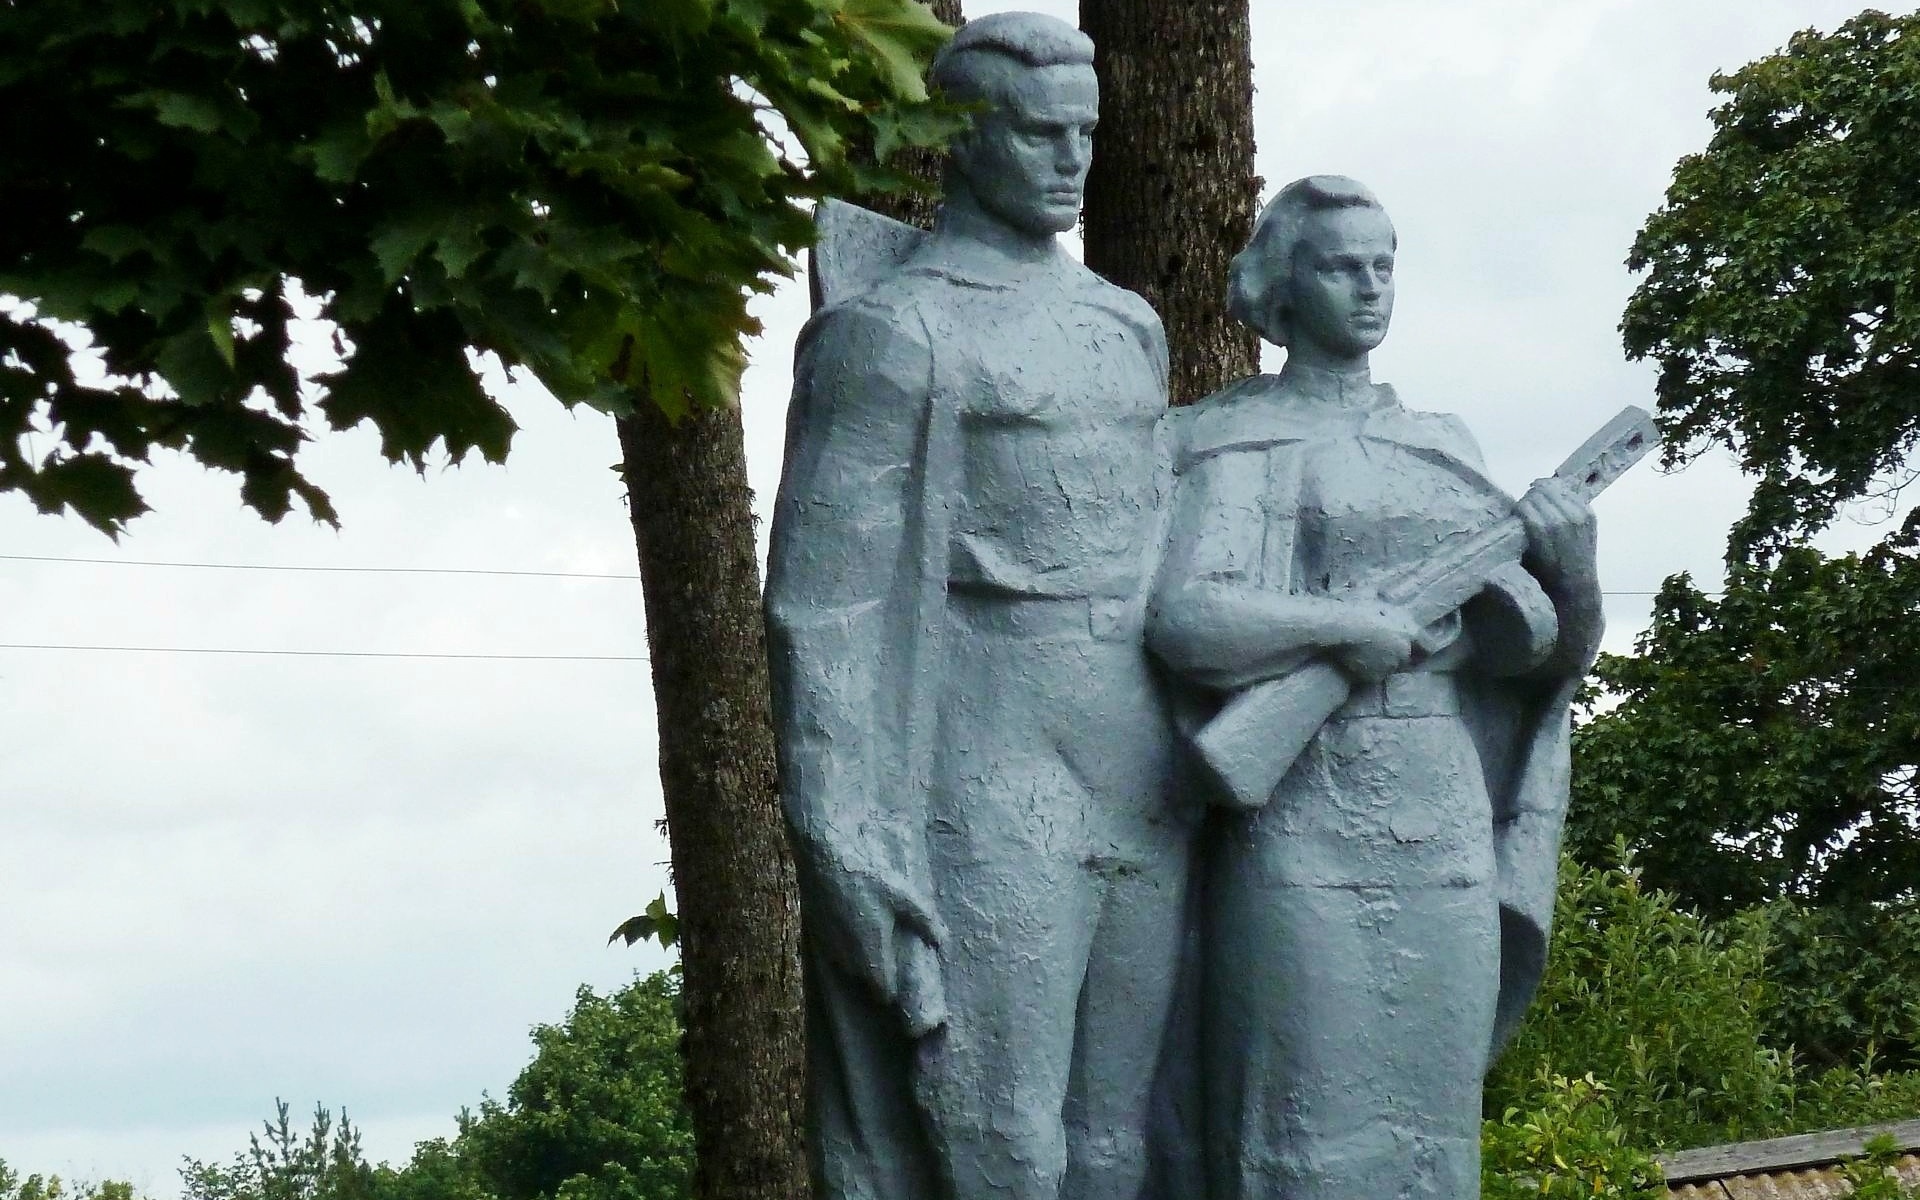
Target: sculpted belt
{"points": [[1406, 694], [1101, 618]]}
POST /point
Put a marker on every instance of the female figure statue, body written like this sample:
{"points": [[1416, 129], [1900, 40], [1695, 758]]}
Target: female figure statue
{"points": [[1373, 926]]}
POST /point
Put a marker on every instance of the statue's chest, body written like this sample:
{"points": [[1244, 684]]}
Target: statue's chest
{"points": [[1370, 508], [1047, 370], [1057, 409]]}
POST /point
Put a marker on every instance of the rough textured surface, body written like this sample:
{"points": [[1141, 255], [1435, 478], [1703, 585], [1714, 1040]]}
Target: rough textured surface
{"points": [[974, 755], [1783, 1155], [1173, 193], [1374, 922], [1806, 1183], [732, 870]]}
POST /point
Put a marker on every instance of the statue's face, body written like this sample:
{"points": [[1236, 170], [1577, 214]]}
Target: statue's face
{"points": [[1026, 160], [1340, 285]]}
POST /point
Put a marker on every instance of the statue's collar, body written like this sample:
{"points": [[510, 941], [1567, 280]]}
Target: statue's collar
{"points": [[974, 263], [1332, 387]]}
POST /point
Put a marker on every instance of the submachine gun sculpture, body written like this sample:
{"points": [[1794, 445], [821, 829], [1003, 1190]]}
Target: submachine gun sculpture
{"points": [[1250, 744]]}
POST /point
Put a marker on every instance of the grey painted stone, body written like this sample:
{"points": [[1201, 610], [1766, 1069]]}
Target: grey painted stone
{"points": [[987, 530], [977, 763], [1378, 890]]}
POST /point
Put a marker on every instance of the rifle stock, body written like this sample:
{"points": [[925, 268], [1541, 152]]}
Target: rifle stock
{"points": [[1252, 742]]}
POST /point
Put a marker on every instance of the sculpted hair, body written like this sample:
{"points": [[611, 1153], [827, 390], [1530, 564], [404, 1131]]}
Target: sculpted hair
{"points": [[974, 65], [1262, 268]]}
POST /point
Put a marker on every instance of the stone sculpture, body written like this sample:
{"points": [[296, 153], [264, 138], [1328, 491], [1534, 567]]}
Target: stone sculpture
{"points": [[1380, 884], [976, 762]]}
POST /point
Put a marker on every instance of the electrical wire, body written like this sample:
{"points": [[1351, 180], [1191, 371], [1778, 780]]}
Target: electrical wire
{"points": [[329, 653], [213, 566]]}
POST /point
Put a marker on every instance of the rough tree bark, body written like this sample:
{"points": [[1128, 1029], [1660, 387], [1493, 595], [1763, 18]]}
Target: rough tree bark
{"points": [[733, 874], [1172, 194], [693, 525]]}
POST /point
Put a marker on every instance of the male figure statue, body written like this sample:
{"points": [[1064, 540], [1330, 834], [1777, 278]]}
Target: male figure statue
{"points": [[975, 758]]}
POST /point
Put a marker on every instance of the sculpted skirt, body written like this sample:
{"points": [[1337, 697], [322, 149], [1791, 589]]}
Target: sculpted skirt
{"points": [[1351, 964]]}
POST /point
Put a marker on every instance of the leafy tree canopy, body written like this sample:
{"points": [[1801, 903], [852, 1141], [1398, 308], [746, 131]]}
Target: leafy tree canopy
{"points": [[597, 1115], [1782, 290], [281, 1163], [586, 189], [1762, 745], [1766, 743], [52, 1187]]}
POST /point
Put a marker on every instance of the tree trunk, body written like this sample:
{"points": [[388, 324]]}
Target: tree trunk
{"points": [[732, 871], [1172, 194]]}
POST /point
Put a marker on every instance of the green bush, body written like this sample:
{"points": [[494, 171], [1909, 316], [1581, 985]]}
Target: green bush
{"points": [[1569, 1145], [1659, 1005], [1678, 1019]]}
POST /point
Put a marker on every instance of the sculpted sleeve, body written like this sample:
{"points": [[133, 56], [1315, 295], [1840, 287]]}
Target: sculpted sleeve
{"points": [[1228, 559], [844, 579]]}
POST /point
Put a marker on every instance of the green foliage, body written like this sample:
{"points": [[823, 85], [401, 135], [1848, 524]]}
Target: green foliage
{"points": [[325, 1164], [52, 1187], [1569, 1146], [1763, 747], [658, 923], [1846, 982], [598, 1114], [1870, 1176], [1780, 297], [1675, 1017], [1657, 1004], [582, 188], [1765, 744]]}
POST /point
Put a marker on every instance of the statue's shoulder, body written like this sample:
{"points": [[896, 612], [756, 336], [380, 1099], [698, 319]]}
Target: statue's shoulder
{"points": [[1130, 305], [882, 332], [1249, 414], [1441, 439], [1436, 432], [1130, 308]]}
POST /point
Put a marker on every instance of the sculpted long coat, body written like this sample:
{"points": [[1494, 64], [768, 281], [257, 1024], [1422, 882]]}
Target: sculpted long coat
{"points": [[863, 549], [1238, 458]]}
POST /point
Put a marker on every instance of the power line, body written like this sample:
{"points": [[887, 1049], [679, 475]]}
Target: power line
{"points": [[212, 566], [330, 653]]}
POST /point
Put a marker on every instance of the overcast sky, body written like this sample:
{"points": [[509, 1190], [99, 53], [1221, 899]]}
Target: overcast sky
{"points": [[360, 880]]}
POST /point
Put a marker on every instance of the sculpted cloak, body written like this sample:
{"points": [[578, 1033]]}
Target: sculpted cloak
{"points": [[862, 560], [1242, 448]]}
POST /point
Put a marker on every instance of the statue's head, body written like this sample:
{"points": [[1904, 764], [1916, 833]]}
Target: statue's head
{"points": [[1317, 276], [1024, 160]]}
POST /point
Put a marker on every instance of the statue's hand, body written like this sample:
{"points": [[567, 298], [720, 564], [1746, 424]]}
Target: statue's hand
{"points": [[922, 994], [889, 938], [1380, 642], [1561, 539]]}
